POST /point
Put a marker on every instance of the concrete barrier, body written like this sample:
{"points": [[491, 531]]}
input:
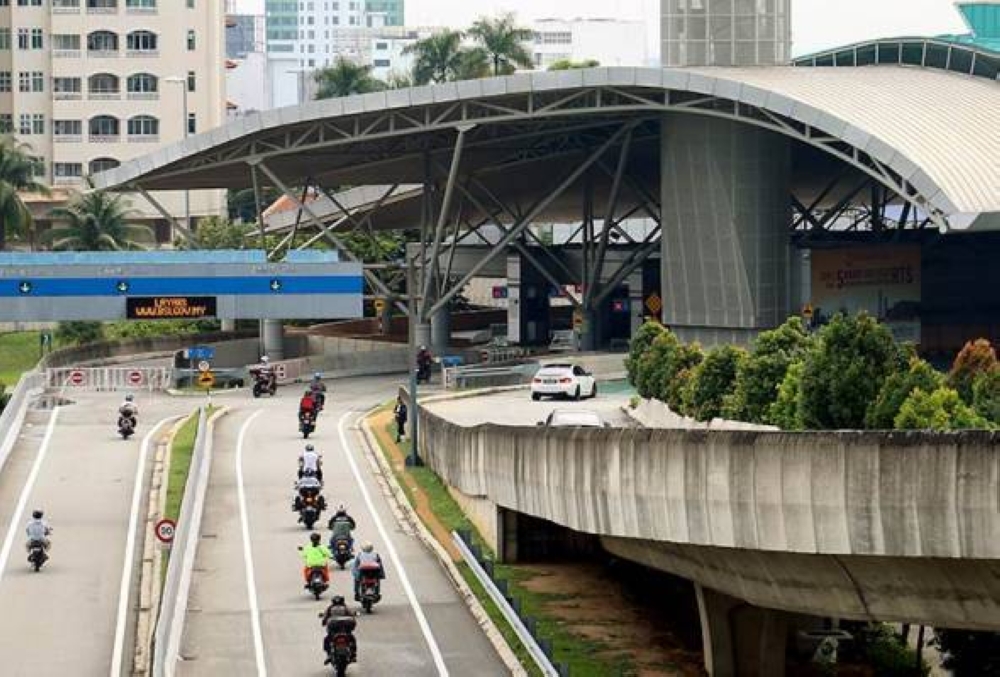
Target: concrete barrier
{"points": [[12, 418]]}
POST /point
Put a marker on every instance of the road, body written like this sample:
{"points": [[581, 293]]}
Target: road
{"points": [[238, 582], [69, 462], [515, 407]]}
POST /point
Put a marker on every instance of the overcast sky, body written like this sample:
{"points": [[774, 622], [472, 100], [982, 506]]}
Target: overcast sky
{"points": [[817, 24]]}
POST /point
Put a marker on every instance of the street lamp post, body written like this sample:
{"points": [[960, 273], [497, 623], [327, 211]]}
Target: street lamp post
{"points": [[185, 126]]}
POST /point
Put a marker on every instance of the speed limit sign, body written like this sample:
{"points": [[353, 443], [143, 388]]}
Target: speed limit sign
{"points": [[165, 530]]}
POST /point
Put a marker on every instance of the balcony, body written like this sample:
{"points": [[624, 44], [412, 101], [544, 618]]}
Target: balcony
{"points": [[144, 138], [67, 96], [104, 138], [65, 7], [66, 53], [145, 11], [67, 138], [67, 180], [102, 53], [143, 96], [142, 53], [104, 96], [102, 10]]}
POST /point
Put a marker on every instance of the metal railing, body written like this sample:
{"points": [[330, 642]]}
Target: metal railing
{"points": [[109, 378], [461, 377], [13, 414]]}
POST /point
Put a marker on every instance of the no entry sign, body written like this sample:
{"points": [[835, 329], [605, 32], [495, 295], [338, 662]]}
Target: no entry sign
{"points": [[165, 530], [135, 377], [77, 378]]}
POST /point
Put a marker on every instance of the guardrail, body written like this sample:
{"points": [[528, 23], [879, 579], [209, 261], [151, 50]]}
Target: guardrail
{"points": [[109, 378], [535, 650], [177, 586], [460, 377], [13, 414]]}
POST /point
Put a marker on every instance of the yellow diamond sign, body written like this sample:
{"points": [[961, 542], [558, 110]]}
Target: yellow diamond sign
{"points": [[654, 304]]}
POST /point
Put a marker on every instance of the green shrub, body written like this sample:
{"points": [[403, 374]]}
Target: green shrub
{"points": [[941, 409], [976, 357], [986, 396], [678, 370], [881, 414], [637, 347], [79, 333], [760, 375], [712, 381], [134, 329], [651, 376], [844, 371], [784, 411], [887, 653]]}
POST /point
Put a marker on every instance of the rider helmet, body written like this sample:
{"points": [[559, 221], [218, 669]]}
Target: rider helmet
{"points": [[338, 600], [265, 359], [341, 508], [310, 447], [37, 514], [317, 376], [315, 538], [367, 547], [129, 397]]}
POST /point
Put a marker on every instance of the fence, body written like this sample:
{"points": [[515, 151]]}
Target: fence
{"points": [[463, 377], [13, 414], [109, 378]]}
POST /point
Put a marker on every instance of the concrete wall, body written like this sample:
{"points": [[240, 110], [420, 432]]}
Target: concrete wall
{"points": [[794, 511], [158, 344]]}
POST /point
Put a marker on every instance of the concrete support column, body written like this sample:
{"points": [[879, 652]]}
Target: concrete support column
{"points": [[507, 535], [273, 339], [228, 325], [740, 640], [725, 206], [590, 332], [440, 331], [422, 336], [514, 298], [385, 318], [635, 300]]}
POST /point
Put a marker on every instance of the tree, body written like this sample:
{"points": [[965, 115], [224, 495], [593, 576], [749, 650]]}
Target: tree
{"points": [[567, 64], [97, 221], [711, 381], [345, 78], [504, 43], [79, 333], [437, 58], [651, 376], [638, 346], [242, 204], [897, 388], [215, 232], [844, 371], [678, 371], [17, 175], [941, 409], [976, 357], [784, 411], [473, 63], [761, 374], [986, 396]]}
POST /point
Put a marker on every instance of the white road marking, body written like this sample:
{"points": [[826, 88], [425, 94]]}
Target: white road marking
{"points": [[258, 637], [118, 652], [15, 521], [425, 627]]}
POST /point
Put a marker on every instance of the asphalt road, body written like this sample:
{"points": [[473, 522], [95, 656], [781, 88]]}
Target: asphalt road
{"points": [[250, 614], [516, 408], [70, 462]]}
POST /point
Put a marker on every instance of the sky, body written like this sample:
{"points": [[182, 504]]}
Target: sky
{"points": [[816, 24]]}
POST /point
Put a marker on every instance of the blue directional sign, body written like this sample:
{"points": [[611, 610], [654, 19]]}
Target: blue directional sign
{"points": [[197, 353]]}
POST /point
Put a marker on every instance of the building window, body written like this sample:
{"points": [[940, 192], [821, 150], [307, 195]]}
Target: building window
{"points": [[103, 164], [71, 5], [31, 123], [103, 126], [67, 170], [381, 63], [102, 6], [190, 4], [192, 81], [30, 81], [192, 123], [143, 83], [102, 41], [4, 38], [141, 41], [36, 38], [5, 81], [143, 125], [29, 3], [190, 41], [66, 88], [140, 4], [67, 127], [66, 42], [103, 84], [22, 38], [6, 123]]}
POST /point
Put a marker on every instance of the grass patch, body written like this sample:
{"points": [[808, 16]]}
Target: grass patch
{"points": [[583, 656], [18, 354]]}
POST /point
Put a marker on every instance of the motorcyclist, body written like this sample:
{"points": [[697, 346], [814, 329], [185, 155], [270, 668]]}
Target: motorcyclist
{"points": [[266, 371], [310, 461], [38, 531], [364, 560], [339, 618], [318, 390], [306, 486], [342, 525], [308, 405], [128, 410], [315, 556], [424, 363]]}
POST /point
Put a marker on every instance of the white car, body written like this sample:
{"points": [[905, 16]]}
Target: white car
{"points": [[574, 418], [566, 380]]}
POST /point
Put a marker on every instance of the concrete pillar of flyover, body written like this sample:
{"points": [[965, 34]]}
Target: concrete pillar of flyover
{"points": [[740, 640], [514, 298], [274, 339], [635, 300], [228, 325], [590, 330], [440, 331], [423, 335]]}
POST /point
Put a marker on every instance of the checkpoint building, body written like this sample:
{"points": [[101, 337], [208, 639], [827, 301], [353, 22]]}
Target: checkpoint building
{"points": [[864, 178]]}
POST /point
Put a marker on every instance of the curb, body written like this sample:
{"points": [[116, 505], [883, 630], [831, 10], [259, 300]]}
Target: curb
{"points": [[404, 510]]}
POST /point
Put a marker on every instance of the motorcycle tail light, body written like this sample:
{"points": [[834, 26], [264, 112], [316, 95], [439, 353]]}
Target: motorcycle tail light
{"points": [[341, 640]]}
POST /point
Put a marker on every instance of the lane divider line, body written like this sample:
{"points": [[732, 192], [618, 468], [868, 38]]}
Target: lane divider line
{"points": [[118, 651], [404, 579], [258, 637], [29, 484]]}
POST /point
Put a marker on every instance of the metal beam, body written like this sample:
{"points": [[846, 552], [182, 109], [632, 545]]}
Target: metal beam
{"points": [[538, 208], [188, 235], [616, 185], [258, 210], [638, 257]]}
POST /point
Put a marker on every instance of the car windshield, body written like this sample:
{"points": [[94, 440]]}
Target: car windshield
{"points": [[575, 418], [556, 367]]}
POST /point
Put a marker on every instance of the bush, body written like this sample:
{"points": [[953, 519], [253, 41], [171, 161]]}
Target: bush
{"points": [[986, 396], [761, 374], [151, 328], [967, 653], [638, 346], [941, 409], [651, 376], [79, 333], [886, 652], [678, 373], [881, 414], [976, 357], [712, 381], [784, 411], [844, 371]]}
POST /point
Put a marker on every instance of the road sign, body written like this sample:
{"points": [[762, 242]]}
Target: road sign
{"points": [[206, 379], [24, 287], [280, 371], [275, 285], [577, 320], [380, 305], [500, 292], [200, 353], [204, 365], [135, 378], [807, 311], [77, 378], [122, 287], [654, 304], [165, 530]]}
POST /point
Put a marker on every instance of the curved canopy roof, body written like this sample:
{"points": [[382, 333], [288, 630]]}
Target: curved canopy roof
{"points": [[931, 135]]}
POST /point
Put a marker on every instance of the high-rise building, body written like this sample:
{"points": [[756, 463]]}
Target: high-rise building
{"points": [[88, 84], [611, 42], [726, 32], [393, 10]]}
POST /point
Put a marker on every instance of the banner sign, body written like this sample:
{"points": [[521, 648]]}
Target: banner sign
{"points": [[169, 307]]}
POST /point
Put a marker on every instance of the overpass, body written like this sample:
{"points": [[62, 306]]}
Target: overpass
{"points": [[863, 526]]}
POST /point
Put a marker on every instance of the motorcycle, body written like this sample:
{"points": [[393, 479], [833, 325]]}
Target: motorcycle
{"points": [[126, 426], [339, 653], [424, 372], [371, 588], [307, 424], [263, 383], [309, 511], [316, 586], [342, 552], [37, 555]]}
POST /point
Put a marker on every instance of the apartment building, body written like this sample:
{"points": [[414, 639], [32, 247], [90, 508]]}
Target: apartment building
{"points": [[610, 41], [89, 84]]}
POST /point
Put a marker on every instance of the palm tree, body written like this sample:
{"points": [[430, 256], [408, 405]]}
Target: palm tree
{"points": [[504, 43], [473, 63], [17, 174], [438, 57], [345, 78], [97, 221]]}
